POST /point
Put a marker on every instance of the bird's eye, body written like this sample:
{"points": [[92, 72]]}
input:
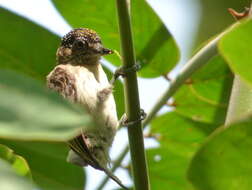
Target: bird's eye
{"points": [[80, 44]]}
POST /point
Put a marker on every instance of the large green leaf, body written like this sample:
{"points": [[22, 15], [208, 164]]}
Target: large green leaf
{"points": [[236, 48], [224, 162], [18, 163], [155, 48], [206, 95], [48, 165], [10, 180], [180, 137], [30, 49], [25, 46], [215, 16], [30, 112]]}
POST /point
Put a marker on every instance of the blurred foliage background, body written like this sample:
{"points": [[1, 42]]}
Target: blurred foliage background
{"points": [[35, 123], [215, 17]]}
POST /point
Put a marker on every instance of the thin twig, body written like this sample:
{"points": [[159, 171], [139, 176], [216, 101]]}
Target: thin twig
{"points": [[116, 164]]}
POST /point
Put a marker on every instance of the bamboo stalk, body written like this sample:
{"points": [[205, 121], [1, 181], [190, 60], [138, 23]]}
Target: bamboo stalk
{"points": [[135, 133]]}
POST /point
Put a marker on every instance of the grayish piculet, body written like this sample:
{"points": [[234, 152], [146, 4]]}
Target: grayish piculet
{"points": [[79, 77]]}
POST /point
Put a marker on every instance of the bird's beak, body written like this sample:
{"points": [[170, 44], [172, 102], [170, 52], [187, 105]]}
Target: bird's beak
{"points": [[106, 51]]}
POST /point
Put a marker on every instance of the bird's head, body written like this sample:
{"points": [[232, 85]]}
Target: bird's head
{"points": [[81, 46]]}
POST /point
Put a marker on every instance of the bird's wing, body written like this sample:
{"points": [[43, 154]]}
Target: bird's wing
{"points": [[79, 85], [64, 83], [76, 84]]}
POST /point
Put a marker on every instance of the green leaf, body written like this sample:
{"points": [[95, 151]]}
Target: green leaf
{"points": [[205, 97], [37, 62], [224, 162], [18, 163], [25, 46], [216, 16], [10, 180], [156, 50], [179, 139], [236, 48], [48, 165], [29, 112]]}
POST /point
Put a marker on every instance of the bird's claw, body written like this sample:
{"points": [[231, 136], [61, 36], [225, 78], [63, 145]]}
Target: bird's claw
{"points": [[124, 120], [122, 71]]}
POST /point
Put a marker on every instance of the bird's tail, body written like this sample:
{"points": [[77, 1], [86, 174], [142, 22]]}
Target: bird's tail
{"points": [[80, 155]]}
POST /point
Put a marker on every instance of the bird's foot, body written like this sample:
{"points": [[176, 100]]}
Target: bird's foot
{"points": [[122, 71], [125, 122]]}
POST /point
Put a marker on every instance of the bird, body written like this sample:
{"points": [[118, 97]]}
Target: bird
{"points": [[79, 77]]}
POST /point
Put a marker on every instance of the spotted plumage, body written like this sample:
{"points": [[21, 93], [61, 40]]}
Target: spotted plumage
{"points": [[81, 79], [87, 35], [81, 46]]}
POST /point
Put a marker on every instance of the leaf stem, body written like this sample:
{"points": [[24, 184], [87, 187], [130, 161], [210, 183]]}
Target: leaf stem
{"points": [[240, 103], [200, 59], [135, 134], [192, 66]]}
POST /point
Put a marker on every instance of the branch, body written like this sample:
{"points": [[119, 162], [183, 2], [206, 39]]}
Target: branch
{"points": [[196, 62], [200, 59], [192, 66], [135, 134]]}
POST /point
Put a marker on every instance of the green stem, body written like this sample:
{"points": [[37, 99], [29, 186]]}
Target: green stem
{"points": [[116, 164], [196, 62], [192, 66], [135, 134], [240, 103], [200, 59], [250, 11]]}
